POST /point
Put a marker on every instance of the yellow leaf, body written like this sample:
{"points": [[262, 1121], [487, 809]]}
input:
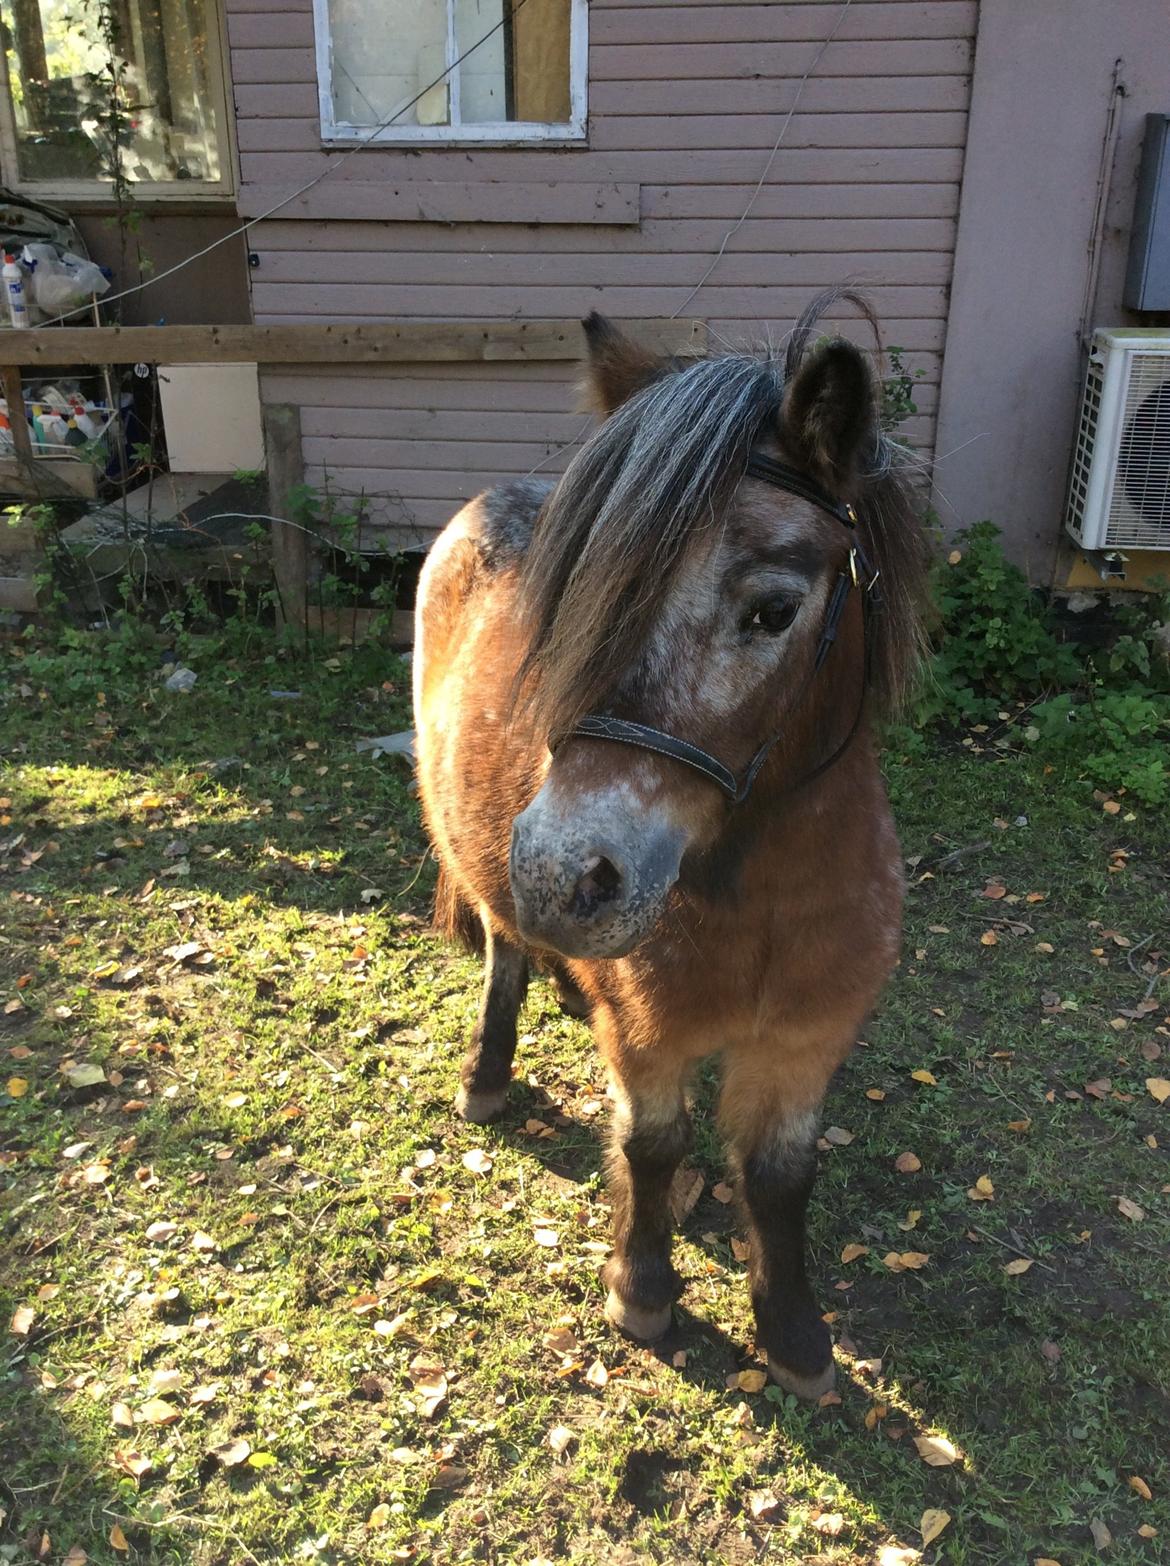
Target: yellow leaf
{"points": [[1019, 1125], [875, 1094], [852, 1252], [118, 1540], [911, 1219], [924, 1076], [1147, 1532], [932, 1524], [1141, 1487], [1111, 807], [1157, 1087], [982, 1190], [751, 1380], [17, 1087], [936, 1450], [1015, 1268], [989, 938], [907, 1163], [157, 1411], [1045, 1560]]}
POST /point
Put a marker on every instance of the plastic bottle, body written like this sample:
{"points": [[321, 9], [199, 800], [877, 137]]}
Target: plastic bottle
{"points": [[12, 275]]}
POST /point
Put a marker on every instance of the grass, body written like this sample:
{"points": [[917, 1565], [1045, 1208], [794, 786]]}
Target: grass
{"points": [[334, 1347]]}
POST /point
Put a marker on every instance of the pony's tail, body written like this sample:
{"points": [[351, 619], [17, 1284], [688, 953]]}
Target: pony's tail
{"points": [[454, 917]]}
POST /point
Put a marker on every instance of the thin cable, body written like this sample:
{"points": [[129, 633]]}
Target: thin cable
{"points": [[309, 184], [735, 228]]}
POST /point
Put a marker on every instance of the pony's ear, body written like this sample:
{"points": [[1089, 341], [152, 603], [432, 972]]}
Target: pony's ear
{"points": [[616, 368], [828, 418]]}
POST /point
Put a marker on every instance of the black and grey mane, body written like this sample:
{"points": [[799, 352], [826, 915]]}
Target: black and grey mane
{"points": [[654, 483]]}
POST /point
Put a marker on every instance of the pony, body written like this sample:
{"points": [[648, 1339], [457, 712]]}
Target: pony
{"points": [[646, 698]]}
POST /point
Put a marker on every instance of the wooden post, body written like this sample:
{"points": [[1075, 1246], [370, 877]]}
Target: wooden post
{"points": [[17, 423], [290, 543]]}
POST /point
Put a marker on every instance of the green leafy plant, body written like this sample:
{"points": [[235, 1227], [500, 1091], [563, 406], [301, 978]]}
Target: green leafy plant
{"points": [[1101, 707]]}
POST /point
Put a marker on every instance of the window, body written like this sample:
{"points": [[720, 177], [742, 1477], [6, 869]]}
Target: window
{"points": [[524, 82], [113, 92]]}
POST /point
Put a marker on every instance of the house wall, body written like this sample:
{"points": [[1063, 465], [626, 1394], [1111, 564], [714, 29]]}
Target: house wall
{"points": [[1030, 240], [686, 101]]}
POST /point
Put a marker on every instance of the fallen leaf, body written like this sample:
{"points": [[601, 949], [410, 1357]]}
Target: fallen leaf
{"points": [[17, 1087], [905, 1261], [932, 1523], [911, 1219], [837, 1136], [750, 1380], [875, 1094], [1019, 1125], [1141, 1487], [907, 1163], [157, 1411], [995, 890], [95, 1174], [928, 1077], [162, 1230], [230, 1454], [1147, 1532], [936, 1450], [261, 1460], [478, 1161], [765, 1505], [982, 1190], [989, 938], [1102, 1538], [597, 1375], [1015, 1268], [1130, 1210], [118, 1540], [1100, 1088], [740, 1249], [685, 1190], [380, 1515], [1158, 1088], [852, 1252], [559, 1439], [562, 1340], [1111, 808], [899, 1554], [131, 1462], [84, 1074], [74, 1556], [723, 1193], [546, 1237], [829, 1523], [391, 1329], [430, 1383], [203, 1243], [121, 1416]]}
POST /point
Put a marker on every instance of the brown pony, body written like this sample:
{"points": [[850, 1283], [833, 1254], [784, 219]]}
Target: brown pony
{"points": [[644, 700]]}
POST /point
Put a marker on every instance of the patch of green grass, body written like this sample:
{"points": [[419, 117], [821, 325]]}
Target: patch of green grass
{"points": [[278, 1075]]}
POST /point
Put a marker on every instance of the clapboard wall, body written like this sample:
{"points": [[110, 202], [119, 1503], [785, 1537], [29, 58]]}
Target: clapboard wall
{"points": [[685, 104]]}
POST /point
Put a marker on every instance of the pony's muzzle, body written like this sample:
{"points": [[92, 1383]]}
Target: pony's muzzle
{"points": [[588, 894]]}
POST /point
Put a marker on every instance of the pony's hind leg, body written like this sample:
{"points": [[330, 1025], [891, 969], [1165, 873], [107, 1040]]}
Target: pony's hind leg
{"points": [[774, 1145], [487, 1066], [651, 1134]]}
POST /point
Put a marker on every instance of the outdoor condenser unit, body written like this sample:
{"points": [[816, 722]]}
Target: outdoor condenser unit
{"points": [[1119, 493]]}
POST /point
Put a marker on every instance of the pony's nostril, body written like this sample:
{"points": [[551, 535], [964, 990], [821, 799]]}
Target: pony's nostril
{"points": [[600, 883]]}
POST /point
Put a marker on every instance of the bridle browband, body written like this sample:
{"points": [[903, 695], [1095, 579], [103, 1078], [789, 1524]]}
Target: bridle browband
{"points": [[857, 572]]}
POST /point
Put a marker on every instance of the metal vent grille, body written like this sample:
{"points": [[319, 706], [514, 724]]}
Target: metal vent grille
{"points": [[1085, 445], [1139, 507]]}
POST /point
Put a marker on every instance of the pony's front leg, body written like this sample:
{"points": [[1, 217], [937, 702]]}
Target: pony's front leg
{"points": [[487, 1066], [774, 1142], [651, 1134]]}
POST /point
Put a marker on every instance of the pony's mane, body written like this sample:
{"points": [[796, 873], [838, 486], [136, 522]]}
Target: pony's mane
{"points": [[652, 484]]}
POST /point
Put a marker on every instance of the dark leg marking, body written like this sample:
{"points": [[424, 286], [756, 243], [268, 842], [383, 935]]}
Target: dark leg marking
{"points": [[777, 1180], [643, 1156], [487, 1066]]}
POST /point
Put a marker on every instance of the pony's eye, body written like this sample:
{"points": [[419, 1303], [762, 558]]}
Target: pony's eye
{"points": [[771, 616]]}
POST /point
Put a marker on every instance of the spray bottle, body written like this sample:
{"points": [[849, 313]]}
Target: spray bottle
{"points": [[12, 275]]}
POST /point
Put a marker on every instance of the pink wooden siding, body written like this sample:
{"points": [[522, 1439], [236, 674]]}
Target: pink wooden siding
{"points": [[685, 103]]}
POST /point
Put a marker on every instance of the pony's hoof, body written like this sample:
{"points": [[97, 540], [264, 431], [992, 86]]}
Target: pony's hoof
{"points": [[634, 1321], [810, 1389], [480, 1107]]}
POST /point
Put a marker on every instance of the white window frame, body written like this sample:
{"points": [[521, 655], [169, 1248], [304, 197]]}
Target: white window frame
{"points": [[573, 129], [100, 192]]}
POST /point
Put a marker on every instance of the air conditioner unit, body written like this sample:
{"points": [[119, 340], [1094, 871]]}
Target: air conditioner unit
{"points": [[1119, 492]]}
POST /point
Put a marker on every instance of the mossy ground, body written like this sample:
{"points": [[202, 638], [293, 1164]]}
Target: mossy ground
{"points": [[280, 1094]]}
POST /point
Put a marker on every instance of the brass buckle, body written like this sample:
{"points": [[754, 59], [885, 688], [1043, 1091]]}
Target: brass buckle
{"points": [[853, 572]]}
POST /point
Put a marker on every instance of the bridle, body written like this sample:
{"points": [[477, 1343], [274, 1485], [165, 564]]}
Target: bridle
{"points": [[857, 572]]}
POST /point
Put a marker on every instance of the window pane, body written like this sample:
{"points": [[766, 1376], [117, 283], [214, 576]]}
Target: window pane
{"points": [[384, 52], [121, 88]]}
